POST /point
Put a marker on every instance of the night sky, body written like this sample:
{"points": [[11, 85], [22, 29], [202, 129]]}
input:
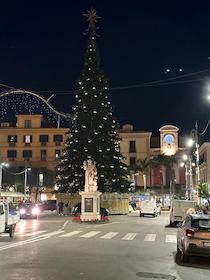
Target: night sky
{"points": [[42, 48]]}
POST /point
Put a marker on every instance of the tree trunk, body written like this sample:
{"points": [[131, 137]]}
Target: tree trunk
{"points": [[145, 181]]}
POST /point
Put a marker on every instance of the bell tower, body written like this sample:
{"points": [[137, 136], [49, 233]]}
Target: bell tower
{"points": [[168, 140]]}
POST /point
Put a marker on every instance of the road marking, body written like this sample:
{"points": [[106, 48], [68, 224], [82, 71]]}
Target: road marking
{"points": [[102, 225], [52, 233], [150, 237], [33, 233], [21, 243], [109, 235], [72, 233], [90, 234], [171, 238], [64, 225], [129, 236]]}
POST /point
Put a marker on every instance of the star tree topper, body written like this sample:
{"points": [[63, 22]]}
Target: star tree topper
{"points": [[92, 19]]}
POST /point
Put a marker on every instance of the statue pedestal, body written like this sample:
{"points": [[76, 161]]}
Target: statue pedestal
{"points": [[90, 206]]}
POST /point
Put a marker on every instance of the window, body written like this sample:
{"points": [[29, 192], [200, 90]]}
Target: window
{"points": [[43, 139], [43, 155], [11, 153], [132, 146], [58, 138], [132, 161], [12, 139], [27, 139], [27, 154], [27, 123], [57, 154]]}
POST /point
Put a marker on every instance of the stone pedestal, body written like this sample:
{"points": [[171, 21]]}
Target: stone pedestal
{"points": [[90, 206]]}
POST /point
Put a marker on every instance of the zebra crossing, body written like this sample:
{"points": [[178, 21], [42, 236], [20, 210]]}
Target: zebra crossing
{"points": [[130, 236]]}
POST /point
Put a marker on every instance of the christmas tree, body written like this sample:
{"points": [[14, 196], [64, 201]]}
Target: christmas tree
{"points": [[93, 132]]}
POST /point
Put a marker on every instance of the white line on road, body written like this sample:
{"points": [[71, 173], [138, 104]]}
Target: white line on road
{"points": [[90, 234], [69, 234], [150, 237], [129, 236], [109, 235], [171, 238], [102, 225], [64, 225], [52, 233], [34, 233]]}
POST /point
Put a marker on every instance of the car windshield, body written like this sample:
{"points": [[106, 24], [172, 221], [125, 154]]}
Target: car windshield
{"points": [[201, 224]]}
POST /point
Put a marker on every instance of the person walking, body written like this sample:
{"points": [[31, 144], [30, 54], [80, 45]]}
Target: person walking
{"points": [[60, 208], [66, 209]]}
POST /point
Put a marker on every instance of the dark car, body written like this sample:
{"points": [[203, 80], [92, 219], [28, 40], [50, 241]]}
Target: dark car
{"points": [[29, 210], [76, 211], [49, 205]]}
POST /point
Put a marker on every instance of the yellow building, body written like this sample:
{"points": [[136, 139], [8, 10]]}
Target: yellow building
{"points": [[30, 142]]}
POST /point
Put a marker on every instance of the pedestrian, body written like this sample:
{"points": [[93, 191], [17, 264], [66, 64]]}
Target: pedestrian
{"points": [[60, 208], [66, 208]]}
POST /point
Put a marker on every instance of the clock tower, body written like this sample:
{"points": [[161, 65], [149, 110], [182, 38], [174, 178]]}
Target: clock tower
{"points": [[168, 140]]}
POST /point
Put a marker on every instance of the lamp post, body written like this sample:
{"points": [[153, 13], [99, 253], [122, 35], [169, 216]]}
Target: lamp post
{"points": [[2, 164], [25, 179]]}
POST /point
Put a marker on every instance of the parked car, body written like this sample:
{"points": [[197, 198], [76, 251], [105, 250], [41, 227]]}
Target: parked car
{"points": [[193, 237], [76, 211], [49, 205], [179, 209], [150, 207], [29, 210]]}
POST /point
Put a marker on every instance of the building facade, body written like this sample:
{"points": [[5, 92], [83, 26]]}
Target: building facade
{"points": [[31, 142], [204, 153]]}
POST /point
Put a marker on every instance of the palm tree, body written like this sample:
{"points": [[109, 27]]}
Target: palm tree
{"points": [[142, 166], [165, 162]]}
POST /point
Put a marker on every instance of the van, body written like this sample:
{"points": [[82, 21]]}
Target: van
{"points": [[179, 210], [149, 207]]}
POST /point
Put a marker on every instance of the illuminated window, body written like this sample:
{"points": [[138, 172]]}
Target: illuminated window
{"points": [[27, 139], [57, 154]]}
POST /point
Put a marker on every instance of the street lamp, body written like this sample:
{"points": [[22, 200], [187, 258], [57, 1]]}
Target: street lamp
{"points": [[2, 164], [26, 177]]}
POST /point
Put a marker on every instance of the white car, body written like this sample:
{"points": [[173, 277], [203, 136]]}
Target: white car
{"points": [[150, 207]]}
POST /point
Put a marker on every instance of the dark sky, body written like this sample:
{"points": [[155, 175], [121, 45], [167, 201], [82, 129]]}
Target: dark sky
{"points": [[42, 47]]}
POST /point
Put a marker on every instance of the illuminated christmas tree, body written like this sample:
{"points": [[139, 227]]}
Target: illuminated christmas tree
{"points": [[93, 133]]}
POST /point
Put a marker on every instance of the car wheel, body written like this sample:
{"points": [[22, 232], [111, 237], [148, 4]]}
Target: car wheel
{"points": [[141, 215], [154, 215], [171, 224]]}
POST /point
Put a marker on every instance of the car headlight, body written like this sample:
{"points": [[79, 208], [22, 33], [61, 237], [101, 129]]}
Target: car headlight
{"points": [[22, 211], [35, 211]]}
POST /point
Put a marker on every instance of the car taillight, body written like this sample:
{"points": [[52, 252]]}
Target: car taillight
{"points": [[189, 232]]}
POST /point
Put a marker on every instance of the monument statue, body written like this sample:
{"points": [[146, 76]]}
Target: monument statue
{"points": [[90, 176]]}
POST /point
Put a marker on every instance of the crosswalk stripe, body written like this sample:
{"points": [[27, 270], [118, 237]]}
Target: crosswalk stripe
{"points": [[72, 233], [33, 233], [90, 234], [129, 236], [171, 238], [150, 237], [109, 235], [52, 233]]}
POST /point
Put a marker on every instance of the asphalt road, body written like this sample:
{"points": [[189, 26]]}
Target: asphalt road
{"points": [[128, 247]]}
